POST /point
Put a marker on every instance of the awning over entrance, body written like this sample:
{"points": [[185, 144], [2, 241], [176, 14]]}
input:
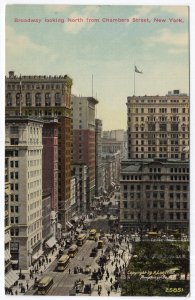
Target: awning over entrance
{"points": [[14, 262], [10, 278], [75, 219], [69, 224], [37, 254], [7, 238], [51, 242], [7, 255]]}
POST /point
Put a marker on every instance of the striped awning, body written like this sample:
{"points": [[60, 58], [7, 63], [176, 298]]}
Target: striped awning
{"points": [[10, 278], [69, 224], [37, 254], [7, 238], [7, 255], [51, 242]]}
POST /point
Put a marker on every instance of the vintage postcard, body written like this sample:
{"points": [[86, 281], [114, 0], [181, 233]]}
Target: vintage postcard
{"points": [[97, 157]]}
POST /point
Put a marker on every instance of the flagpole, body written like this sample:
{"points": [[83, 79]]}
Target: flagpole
{"points": [[20, 113], [134, 80]]}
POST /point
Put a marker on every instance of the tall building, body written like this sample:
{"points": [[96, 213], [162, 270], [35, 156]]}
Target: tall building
{"points": [[155, 177], [158, 126], [50, 177], [84, 139], [7, 216], [23, 146], [47, 97], [98, 160]]}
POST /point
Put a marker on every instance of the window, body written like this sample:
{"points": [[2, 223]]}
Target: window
{"points": [[171, 205], [57, 99], [171, 216], [125, 204], [47, 99], [38, 99], [163, 127], [14, 141], [125, 195], [9, 99], [28, 99]]}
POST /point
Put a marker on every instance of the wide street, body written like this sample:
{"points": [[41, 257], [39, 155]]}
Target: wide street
{"points": [[65, 281]]}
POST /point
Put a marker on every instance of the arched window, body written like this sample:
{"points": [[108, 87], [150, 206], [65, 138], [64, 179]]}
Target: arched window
{"points": [[28, 99], [9, 99], [47, 99], [38, 99]]}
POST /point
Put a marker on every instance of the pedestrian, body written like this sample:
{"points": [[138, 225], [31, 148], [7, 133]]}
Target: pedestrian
{"points": [[16, 292], [108, 292], [27, 286]]}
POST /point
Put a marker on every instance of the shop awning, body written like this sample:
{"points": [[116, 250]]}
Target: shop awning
{"points": [[10, 278], [7, 238], [14, 262], [7, 255], [69, 224], [75, 219], [37, 254], [59, 226], [51, 242]]}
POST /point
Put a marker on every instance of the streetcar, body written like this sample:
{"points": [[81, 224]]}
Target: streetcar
{"points": [[93, 234], [81, 239], [63, 262], [44, 285], [72, 250]]}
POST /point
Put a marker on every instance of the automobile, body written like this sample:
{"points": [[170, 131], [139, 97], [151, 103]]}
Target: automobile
{"points": [[87, 269], [68, 243]]}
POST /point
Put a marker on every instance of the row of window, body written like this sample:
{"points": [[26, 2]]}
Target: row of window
{"points": [[161, 110], [154, 155], [156, 216], [155, 136], [157, 195], [38, 99], [156, 204], [33, 163]]}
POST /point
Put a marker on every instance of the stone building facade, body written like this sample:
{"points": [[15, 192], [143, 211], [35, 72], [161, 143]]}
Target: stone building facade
{"points": [[23, 146], [47, 97]]}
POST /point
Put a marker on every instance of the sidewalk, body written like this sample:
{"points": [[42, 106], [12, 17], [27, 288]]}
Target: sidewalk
{"points": [[105, 283], [28, 282]]}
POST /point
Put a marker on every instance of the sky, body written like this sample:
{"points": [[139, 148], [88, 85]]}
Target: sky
{"points": [[106, 50]]}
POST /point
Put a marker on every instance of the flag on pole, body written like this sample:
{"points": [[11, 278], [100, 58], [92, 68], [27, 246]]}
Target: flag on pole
{"points": [[137, 71]]}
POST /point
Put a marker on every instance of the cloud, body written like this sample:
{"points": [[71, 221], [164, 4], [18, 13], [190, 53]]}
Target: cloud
{"points": [[18, 45], [167, 37], [56, 8], [86, 12], [178, 11]]}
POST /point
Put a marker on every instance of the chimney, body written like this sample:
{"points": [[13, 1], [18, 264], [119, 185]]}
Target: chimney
{"points": [[11, 74]]}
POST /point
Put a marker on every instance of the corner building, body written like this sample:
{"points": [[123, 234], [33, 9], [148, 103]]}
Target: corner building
{"points": [[47, 97], [23, 147], [155, 177], [158, 126]]}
